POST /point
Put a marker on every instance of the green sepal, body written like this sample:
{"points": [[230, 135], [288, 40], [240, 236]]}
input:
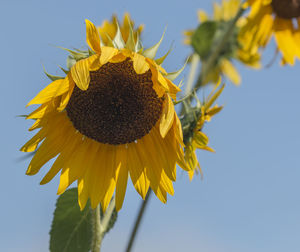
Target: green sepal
{"points": [[118, 39], [64, 70], [151, 52], [77, 54], [52, 77], [160, 60], [70, 62], [173, 75]]}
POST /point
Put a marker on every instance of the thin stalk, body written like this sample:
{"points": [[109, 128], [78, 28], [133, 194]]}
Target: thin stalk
{"points": [[192, 74], [97, 233], [138, 221]]}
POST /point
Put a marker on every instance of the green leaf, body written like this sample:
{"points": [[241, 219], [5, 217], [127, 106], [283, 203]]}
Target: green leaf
{"points": [[71, 229], [203, 37]]}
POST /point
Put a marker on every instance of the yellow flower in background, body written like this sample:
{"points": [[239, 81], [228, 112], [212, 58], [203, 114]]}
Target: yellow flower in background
{"points": [[111, 116], [198, 139], [222, 14], [280, 18], [108, 29]]}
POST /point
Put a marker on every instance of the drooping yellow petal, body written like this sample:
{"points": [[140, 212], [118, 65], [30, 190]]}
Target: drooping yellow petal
{"points": [[92, 37], [44, 109], [50, 148], [53, 90], [160, 149], [102, 173], [112, 166], [32, 144], [167, 116], [154, 167], [71, 140], [137, 171], [82, 193], [122, 176], [75, 167], [66, 97], [108, 195]]}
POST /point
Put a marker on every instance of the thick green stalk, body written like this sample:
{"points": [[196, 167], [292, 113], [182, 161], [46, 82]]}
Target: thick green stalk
{"points": [[97, 232]]}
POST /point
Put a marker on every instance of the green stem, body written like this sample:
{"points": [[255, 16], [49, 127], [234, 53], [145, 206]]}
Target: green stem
{"points": [[192, 74], [97, 233], [107, 215], [138, 221]]}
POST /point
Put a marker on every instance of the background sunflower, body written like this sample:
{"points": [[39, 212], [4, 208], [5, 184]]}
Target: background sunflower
{"points": [[276, 18]]}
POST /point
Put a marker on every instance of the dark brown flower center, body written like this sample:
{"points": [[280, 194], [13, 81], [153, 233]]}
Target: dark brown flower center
{"points": [[119, 107], [286, 8]]}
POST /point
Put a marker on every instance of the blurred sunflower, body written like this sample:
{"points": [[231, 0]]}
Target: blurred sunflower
{"points": [[111, 116], [274, 17], [197, 139], [208, 32]]}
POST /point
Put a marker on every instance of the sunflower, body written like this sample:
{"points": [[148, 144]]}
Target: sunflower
{"points": [[274, 17], [110, 117], [108, 29], [222, 15], [199, 140]]}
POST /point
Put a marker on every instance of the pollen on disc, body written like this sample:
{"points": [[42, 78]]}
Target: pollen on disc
{"points": [[119, 107]]}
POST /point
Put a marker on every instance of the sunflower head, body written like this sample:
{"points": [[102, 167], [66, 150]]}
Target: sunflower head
{"points": [[193, 123], [209, 33], [111, 116]]}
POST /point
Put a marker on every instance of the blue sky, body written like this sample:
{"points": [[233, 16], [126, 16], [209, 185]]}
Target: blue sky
{"points": [[249, 197]]}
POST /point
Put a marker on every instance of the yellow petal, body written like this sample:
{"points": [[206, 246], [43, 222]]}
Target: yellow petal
{"points": [[81, 72], [108, 195], [107, 53], [122, 177], [32, 144], [167, 116], [139, 64], [202, 16], [82, 193], [92, 37], [102, 173], [137, 171], [283, 30], [75, 167], [50, 148], [44, 109], [229, 70], [53, 90]]}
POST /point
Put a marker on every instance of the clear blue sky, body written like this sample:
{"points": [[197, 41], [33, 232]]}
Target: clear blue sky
{"points": [[249, 197]]}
